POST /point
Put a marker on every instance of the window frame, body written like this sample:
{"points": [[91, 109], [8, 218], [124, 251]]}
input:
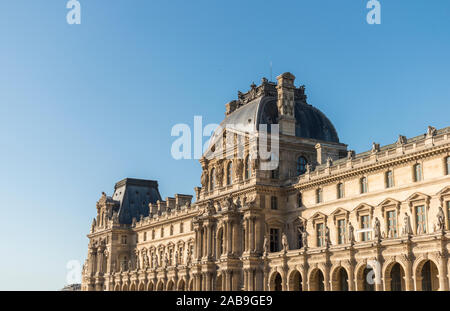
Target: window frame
{"points": [[389, 182], [363, 185], [301, 165]]}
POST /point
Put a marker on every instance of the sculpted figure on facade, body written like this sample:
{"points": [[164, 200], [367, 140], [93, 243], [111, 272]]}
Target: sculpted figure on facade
{"points": [[284, 242], [351, 233], [407, 230], [377, 229], [204, 179], [440, 219], [266, 245]]}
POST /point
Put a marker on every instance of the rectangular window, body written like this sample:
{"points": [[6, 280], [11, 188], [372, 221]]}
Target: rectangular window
{"points": [[320, 235], [448, 212], [389, 180], [447, 162], [273, 203], [392, 224], [418, 172], [145, 236], [124, 239], [274, 239], [363, 185], [365, 224], [319, 196], [181, 227], [341, 231], [340, 191], [420, 219]]}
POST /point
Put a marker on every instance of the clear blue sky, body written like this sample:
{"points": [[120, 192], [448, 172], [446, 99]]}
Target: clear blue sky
{"points": [[83, 106]]}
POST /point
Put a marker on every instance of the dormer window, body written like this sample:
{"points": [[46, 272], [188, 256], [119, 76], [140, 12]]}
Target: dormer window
{"points": [[301, 165]]}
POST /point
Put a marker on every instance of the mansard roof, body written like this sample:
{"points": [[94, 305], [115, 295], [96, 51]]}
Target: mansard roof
{"points": [[134, 196]]}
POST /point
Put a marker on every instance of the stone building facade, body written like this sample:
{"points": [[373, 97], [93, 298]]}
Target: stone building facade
{"points": [[322, 218]]}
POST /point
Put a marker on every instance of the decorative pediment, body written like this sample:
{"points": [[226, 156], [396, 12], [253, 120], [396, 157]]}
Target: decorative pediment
{"points": [[390, 203], [363, 208], [318, 217], [444, 193], [340, 213], [418, 196]]}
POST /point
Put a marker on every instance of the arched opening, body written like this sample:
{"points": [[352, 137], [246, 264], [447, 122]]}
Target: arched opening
{"points": [[181, 285], [367, 280], [219, 283], [342, 280], [141, 287], [317, 282], [133, 287], [429, 275], [170, 286], [191, 285], [125, 288], [278, 283], [397, 278], [295, 281], [117, 288]]}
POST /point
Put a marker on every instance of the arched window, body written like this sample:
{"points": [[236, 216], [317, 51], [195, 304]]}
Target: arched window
{"points": [[248, 169], [363, 184], [230, 173], [212, 179], [301, 165], [418, 172]]}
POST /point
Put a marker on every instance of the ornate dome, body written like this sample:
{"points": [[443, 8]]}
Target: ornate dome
{"points": [[259, 106]]}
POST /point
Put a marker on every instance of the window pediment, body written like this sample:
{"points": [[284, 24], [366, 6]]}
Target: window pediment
{"points": [[390, 203], [340, 213], [318, 217], [363, 208], [418, 197]]}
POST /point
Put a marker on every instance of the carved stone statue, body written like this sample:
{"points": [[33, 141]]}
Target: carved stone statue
{"points": [[189, 257], [176, 258], [440, 219], [351, 234], [166, 260], [350, 154], [407, 231], [401, 140], [284, 242], [266, 245], [377, 229], [329, 162], [375, 147], [130, 265], [327, 236], [204, 179], [155, 261], [304, 236], [431, 131]]}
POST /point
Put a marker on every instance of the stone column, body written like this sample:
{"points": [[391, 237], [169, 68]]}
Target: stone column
{"points": [[209, 240], [246, 287], [409, 286], [251, 234], [100, 260], [443, 280], [250, 278], [225, 238], [247, 234], [230, 237], [326, 278], [92, 260], [351, 277]]}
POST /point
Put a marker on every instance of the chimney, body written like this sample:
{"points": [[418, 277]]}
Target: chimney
{"points": [[285, 103]]}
